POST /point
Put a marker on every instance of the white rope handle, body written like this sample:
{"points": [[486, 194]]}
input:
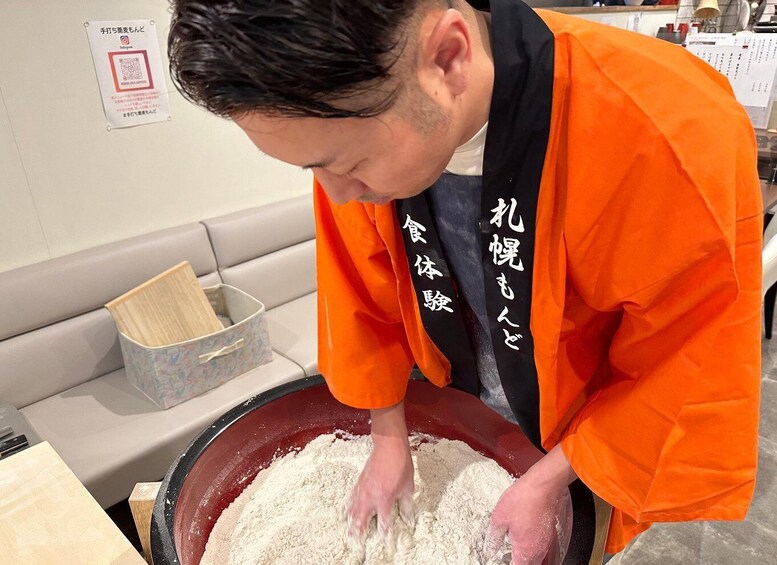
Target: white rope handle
{"points": [[226, 350]]}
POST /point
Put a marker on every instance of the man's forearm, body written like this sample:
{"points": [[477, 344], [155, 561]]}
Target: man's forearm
{"points": [[388, 424], [552, 471]]}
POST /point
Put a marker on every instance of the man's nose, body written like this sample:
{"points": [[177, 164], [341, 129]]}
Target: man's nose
{"points": [[339, 189]]}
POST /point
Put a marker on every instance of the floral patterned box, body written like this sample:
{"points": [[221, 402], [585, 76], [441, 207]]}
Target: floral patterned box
{"points": [[170, 374]]}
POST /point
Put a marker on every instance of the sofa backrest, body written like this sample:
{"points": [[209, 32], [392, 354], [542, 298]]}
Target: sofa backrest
{"points": [[55, 333], [269, 251]]}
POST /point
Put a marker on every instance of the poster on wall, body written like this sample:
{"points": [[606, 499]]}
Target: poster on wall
{"points": [[129, 71]]}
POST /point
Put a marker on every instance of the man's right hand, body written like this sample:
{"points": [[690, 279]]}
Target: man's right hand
{"points": [[387, 477]]}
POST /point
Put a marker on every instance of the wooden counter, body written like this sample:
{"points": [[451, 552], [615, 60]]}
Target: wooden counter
{"points": [[47, 515], [613, 9]]}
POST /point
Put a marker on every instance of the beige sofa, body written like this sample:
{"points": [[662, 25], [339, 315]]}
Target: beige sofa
{"points": [[60, 361]]}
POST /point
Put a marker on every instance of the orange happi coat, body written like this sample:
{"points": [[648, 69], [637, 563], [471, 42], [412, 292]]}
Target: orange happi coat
{"points": [[645, 290]]}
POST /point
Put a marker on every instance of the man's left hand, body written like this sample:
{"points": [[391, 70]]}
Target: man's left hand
{"points": [[527, 511]]}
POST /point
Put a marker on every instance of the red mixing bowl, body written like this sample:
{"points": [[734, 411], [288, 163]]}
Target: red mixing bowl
{"points": [[227, 455]]}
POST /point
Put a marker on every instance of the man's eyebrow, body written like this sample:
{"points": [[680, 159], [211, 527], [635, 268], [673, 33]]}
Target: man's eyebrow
{"points": [[319, 165]]}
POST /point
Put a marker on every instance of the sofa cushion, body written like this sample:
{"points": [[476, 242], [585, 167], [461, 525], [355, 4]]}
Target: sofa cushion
{"points": [[293, 331], [278, 277], [112, 436], [45, 293], [58, 357], [245, 235]]}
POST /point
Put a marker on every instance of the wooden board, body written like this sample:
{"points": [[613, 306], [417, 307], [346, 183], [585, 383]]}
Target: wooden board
{"points": [[170, 308], [47, 516], [141, 502]]}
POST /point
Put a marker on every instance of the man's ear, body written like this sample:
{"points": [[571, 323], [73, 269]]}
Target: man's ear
{"points": [[444, 54]]}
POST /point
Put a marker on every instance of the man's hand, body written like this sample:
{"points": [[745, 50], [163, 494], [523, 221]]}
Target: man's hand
{"points": [[527, 511], [387, 476]]}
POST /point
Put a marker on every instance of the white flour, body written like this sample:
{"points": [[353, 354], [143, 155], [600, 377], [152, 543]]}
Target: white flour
{"points": [[293, 511]]}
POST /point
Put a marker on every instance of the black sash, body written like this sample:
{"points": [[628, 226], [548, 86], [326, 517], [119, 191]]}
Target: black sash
{"points": [[518, 131]]}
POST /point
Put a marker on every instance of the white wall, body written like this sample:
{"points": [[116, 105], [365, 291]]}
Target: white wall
{"points": [[67, 183]]}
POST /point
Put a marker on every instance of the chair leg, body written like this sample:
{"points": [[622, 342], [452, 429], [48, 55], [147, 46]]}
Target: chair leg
{"points": [[769, 299]]}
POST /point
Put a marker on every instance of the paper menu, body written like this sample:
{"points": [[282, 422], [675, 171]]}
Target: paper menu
{"points": [[760, 116], [749, 61]]}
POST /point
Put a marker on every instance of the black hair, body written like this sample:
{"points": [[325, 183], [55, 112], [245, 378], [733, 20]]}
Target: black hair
{"points": [[293, 58]]}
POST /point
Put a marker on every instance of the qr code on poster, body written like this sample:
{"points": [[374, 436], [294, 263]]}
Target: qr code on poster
{"points": [[131, 69]]}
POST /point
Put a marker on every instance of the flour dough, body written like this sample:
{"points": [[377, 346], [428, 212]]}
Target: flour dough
{"points": [[292, 513]]}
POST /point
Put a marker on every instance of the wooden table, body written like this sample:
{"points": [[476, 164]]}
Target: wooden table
{"points": [[47, 515]]}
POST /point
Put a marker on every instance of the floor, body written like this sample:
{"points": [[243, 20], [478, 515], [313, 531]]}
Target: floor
{"points": [[753, 541]]}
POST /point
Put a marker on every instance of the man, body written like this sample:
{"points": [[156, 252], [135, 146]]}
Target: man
{"points": [[589, 264]]}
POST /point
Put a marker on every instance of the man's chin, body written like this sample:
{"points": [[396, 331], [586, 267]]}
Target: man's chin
{"points": [[380, 199], [377, 198]]}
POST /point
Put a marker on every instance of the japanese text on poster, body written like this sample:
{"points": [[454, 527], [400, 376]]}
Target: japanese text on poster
{"points": [[129, 71]]}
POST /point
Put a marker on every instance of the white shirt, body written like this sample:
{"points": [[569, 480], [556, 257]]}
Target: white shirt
{"points": [[467, 160]]}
